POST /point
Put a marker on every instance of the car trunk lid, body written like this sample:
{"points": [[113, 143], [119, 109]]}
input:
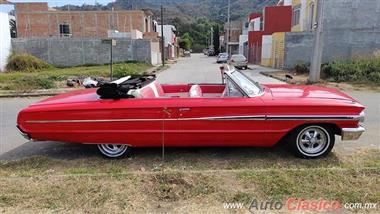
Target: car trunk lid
{"points": [[84, 95]]}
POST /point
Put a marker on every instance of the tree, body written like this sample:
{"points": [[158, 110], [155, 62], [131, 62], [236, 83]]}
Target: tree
{"points": [[185, 42], [216, 41]]}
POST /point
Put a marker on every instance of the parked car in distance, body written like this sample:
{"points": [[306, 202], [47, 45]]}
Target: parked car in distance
{"points": [[211, 52], [238, 61], [222, 58], [239, 112], [186, 54], [205, 51]]}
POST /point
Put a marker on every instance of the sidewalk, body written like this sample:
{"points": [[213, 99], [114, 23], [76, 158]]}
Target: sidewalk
{"points": [[258, 73]]}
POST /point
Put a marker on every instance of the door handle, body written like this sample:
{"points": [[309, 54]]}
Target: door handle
{"points": [[184, 109]]}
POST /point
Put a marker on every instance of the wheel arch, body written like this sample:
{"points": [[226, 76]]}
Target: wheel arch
{"points": [[330, 126]]}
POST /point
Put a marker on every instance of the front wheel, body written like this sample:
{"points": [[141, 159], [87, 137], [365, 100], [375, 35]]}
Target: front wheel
{"points": [[312, 141], [113, 150]]}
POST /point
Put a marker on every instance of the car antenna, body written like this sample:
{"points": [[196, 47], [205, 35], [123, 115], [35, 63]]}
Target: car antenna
{"points": [[166, 114], [163, 139]]}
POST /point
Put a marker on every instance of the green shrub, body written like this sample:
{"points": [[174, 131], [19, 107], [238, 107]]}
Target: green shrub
{"points": [[360, 70], [32, 82], [122, 70], [302, 68], [25, 63]]}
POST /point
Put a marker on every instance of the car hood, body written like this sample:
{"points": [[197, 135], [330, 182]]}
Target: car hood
{"points": [[304, 91], [84, 95]]}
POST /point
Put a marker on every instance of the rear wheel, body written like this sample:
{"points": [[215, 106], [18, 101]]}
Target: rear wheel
{"points": [[113, 150], [312, 141]]}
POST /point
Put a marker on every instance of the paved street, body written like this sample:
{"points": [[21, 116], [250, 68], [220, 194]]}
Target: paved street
{"points": [[198, 68], [203, 69]]}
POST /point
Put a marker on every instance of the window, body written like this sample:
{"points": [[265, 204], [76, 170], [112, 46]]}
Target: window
{"points": [[296, 15], [64, 30], [231, 90]]}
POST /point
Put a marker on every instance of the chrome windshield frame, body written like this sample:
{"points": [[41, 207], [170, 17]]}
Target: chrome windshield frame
{"points": [[229, 72]]}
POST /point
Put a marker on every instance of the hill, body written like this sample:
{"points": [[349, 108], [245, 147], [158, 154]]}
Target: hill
{"points": [[190, 10]]}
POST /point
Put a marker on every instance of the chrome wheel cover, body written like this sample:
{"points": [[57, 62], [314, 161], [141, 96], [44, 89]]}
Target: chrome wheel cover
{"points": [[313, 141], [112, 150]]}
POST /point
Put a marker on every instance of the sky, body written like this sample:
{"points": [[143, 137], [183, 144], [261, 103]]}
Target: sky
{"points": [[54, 3]]}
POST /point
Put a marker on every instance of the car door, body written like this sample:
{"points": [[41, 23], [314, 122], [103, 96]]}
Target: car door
{"points": [[221, 121]]}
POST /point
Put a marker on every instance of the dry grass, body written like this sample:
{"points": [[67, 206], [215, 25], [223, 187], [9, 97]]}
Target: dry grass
{"points": [[181, 182], [56, 77]]}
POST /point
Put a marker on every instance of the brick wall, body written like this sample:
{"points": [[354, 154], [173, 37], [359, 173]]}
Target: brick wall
{"points": [[37, 20]]}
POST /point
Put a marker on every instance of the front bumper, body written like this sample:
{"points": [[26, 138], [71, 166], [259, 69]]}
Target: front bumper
{"points": [[24, 134], [352, 133]]}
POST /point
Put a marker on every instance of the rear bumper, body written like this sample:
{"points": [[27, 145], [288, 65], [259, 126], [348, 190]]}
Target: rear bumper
{"points": [[24, 134], [352, 133]]}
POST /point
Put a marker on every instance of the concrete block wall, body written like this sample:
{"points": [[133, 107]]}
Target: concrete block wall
{"points": [[80, 51], [298, 48], [351, 29]]}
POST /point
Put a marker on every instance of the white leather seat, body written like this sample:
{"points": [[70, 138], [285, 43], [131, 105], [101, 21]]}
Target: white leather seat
{"points": [[152, 90], [195, 91]]}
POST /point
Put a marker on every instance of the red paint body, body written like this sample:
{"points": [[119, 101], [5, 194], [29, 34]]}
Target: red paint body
{"points": [[179, 120]]}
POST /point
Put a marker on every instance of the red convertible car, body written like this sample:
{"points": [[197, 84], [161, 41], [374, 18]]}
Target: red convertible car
{"points": [[139, 112]]}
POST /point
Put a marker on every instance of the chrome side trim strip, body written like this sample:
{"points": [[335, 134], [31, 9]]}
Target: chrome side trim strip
{"points": [[259, 117], [254, 117], [93, 121], [313, 117], [221, 118]]}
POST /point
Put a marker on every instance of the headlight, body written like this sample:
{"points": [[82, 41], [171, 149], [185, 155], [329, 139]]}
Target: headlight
{"points": [[362, 116]]}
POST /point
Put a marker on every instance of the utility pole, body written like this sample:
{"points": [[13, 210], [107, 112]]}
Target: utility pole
{"points": [[229, 27], [212, 38], [162, 37], [316, 60]]}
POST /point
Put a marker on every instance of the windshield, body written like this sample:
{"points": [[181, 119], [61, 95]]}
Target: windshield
{"points": [[250, 87]]}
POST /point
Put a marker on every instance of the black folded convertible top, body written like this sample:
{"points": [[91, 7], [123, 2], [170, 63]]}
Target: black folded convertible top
{"points": [[112, 90]]}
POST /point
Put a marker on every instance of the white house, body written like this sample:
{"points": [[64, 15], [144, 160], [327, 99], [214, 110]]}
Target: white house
{"points": [[5, 38], [170, 40]]}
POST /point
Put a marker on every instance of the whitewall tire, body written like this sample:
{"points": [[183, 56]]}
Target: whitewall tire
{"points": [[113, 150]]}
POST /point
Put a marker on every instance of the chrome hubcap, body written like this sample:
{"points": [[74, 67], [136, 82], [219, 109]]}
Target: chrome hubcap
{"points": [[112, 150], [313, 141]]}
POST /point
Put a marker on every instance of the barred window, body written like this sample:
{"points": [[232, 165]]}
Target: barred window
{"points": [[64, 29], [296, 15]]}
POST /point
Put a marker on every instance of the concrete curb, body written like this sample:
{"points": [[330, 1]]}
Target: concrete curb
{"points": [[271, 76], [33, 94]]}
